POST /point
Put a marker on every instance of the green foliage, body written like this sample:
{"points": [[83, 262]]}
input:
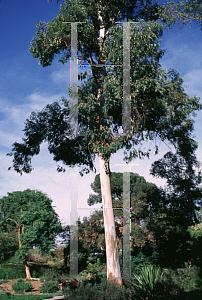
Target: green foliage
{"points": [[21, 286], [42, 278], [148, 282], [103, 290], [91, 234], [195, 243], [12, 271], [159, 106], [188, 278], [143, 196], [52, 279], [32, 212], [49, 287], [83, 253], [196, 231], [53, 275], [8, 243], [180, 12], [96, 270], [140, 260]]}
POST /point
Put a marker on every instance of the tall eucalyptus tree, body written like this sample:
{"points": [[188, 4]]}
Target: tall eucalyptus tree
{"points": [[158, 105]]}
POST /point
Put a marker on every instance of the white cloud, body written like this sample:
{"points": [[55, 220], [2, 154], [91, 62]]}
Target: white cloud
{"points": [[61, 76], [192, 83]]}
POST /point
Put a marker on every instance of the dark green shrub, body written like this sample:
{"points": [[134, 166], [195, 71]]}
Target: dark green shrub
{"points": [[49, 287], [37, 270], [187, 279], [21, 286], [52, 279], [12, 271], [140, 260], [96, 271], [34, 274], [52, 275], [42, 278], [105, 290]]}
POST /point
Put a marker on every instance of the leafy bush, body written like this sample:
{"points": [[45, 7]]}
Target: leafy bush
{"points": [[34, 274], [105, 290], [12, 271], [49, 287], [140, 260], [42, 278], [187, 278], [94, 269], [52, 279], [52, 275], [21, 286], [38, 270], [152, 281]]}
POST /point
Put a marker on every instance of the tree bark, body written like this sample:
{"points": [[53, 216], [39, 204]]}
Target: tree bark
{"points": [[19, 240], [27, 270], [112, 256]]}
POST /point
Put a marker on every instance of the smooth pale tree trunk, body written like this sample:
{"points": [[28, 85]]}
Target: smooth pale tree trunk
{"points": [[27, 270], [112, 256]]}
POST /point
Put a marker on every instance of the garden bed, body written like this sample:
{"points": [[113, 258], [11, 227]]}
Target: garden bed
{"points": [[6, 285]]}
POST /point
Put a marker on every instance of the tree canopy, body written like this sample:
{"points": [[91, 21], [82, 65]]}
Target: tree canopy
{"points": [[31, 215], [159, 105]]}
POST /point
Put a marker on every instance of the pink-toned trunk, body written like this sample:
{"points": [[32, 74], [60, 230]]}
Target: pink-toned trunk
{"points": [[112, 256]]}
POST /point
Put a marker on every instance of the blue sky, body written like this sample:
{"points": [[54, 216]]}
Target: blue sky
{"points": [[25, 87]]}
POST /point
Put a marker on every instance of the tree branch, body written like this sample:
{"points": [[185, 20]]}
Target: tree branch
{"points": [[13, 221]]}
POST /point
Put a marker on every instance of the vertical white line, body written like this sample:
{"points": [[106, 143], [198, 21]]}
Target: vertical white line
{"points": [[126, 221], [73, 82], [126, 225], [126, 107], [74, 224]]}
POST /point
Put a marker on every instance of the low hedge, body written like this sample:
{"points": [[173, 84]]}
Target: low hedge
{"points": [[15, 271], [103, 290], [20, 286], [12, 271]]}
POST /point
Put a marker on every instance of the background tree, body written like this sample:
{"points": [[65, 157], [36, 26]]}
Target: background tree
{"points": [[195, 244], [143, 195], [179, 207], [35, 221], [8, 240], [159, 105], [161, 219]]}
